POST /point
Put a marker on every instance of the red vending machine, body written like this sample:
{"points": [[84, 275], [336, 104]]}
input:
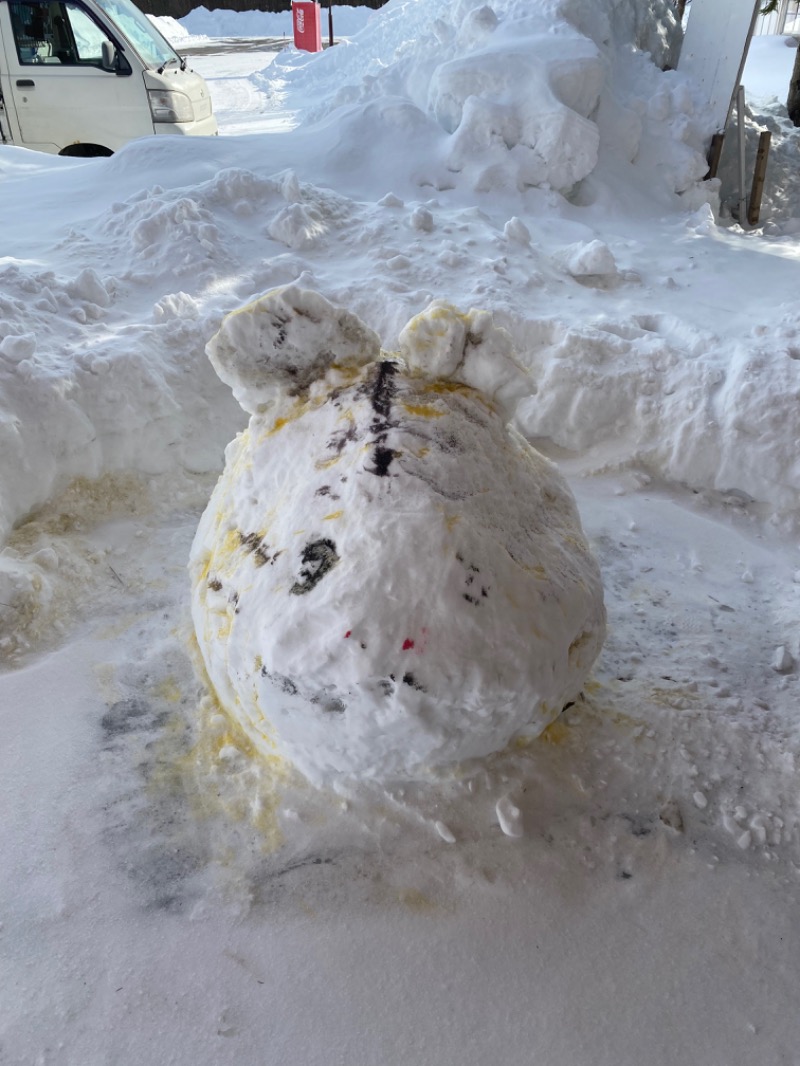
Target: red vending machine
{"points": [[306, 23]]}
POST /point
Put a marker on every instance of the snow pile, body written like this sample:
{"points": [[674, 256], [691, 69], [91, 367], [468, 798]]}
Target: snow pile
{"points": [[512, 94], [387, 578], [780, 203], [173, 31], [766, 81]]}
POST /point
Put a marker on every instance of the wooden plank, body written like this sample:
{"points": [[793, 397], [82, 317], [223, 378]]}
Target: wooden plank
{"points": [[759, 175], [714, 155]]}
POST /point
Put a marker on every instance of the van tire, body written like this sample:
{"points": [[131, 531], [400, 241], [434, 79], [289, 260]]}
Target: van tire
{"points": [[85, 151]]}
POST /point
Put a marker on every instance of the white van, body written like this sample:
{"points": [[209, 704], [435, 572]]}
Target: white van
{"points": [[84, 77]]}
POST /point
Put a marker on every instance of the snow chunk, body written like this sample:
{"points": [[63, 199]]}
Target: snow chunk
{"points": [[509, 817], [587, 259], [89, 286], [296, 226], [444, 342], [387, 577], [422, 220], [445, 832], [516, 230], [16, 347], [782, 661], [283, 341]]}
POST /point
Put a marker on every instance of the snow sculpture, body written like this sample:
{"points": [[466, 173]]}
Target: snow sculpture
{"points": [[387, 577]]}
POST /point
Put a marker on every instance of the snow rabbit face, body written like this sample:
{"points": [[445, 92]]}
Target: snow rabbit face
{"points": [[387, 576]]}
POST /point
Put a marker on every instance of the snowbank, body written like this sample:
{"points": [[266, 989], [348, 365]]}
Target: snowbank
{"points": [[511, 96]]}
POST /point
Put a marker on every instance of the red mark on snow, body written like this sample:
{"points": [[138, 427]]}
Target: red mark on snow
{"points": [[408, 644], [347, 634]]}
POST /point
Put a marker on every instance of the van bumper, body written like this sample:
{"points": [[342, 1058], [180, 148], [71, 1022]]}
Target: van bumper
{"points": [[205, 127]]}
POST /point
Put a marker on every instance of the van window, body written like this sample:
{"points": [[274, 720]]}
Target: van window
{"points": [[140, 31], [56, 31]]}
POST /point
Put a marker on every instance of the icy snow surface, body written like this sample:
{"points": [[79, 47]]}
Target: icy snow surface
{"points": [[621, 890]]}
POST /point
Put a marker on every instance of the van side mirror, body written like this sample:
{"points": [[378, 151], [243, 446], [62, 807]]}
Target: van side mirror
{"points": [[109, 55]]}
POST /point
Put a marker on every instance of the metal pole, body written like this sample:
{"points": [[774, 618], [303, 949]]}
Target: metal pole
{"points": [[742, 168], [330, 24]]}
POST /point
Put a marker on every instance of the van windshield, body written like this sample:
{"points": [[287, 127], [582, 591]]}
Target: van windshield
{"points": [[140, 31]]}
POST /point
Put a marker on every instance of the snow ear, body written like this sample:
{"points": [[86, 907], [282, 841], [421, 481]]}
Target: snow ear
{"points": [[283, 342], [443, 342]]}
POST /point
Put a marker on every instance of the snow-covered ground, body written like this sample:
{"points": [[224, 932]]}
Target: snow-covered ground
{"points": [[168, 895]]}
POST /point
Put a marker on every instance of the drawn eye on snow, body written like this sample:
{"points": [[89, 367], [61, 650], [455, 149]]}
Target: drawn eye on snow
{"points": [[319, 557]]}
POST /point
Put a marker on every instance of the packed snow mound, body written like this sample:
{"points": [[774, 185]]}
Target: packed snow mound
{"points": [[388, 577], [514, 94]]}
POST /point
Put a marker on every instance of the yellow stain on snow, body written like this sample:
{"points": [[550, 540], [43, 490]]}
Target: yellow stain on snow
{"points": [[278, 425], [168, 690], [205, 569], [556, 733], [297, 410], [326, 464], [231, 543], [443, 387], [247, 792], [416, 900], [451, 521], [349, 371], [424, 410], [333, 515]]}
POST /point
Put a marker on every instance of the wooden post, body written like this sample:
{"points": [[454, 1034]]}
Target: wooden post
{"points": [[759, 174], [714, 154]]}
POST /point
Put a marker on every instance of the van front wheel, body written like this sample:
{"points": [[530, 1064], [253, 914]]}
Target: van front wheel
{"points": [[85, 151]]}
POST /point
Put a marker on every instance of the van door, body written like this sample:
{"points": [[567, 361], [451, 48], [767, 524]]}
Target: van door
{"points": [[63, 97]]}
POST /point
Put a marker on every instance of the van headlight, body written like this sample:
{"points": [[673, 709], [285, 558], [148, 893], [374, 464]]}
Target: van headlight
{"points": [[168, 106]]}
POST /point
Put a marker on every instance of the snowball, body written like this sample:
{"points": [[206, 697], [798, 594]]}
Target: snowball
{"points": [[387, 577], [516, 230]]}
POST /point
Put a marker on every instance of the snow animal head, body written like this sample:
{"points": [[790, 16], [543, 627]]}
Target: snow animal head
{"points": [[387, 576]]}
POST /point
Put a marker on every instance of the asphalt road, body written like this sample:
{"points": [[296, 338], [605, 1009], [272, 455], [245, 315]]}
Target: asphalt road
{"points": [[219, 46]]}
